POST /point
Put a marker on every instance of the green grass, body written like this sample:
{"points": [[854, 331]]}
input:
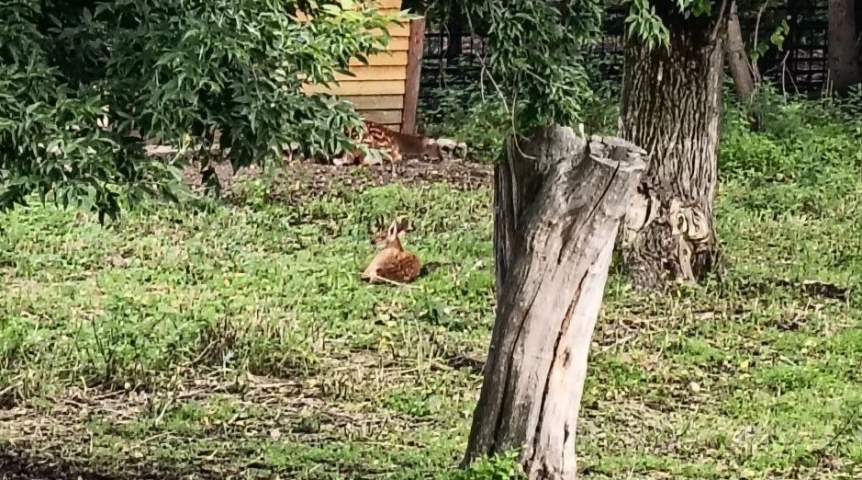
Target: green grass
{"points": [[240, 341]]}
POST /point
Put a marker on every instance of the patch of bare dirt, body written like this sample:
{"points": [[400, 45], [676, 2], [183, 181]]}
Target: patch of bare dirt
{"points": [[301, 180]]}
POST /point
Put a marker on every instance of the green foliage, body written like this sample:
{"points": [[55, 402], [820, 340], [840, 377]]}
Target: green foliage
{"points": [[176, 71], [799, 141], [601, 113], [848, 107], [483, 125], [499, 467], [643, 22], [649, 21], [536, 61], [775, 39], [49, 140]]}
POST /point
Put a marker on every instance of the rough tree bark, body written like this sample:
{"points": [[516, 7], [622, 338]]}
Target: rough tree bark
{"points": [[741, 69], [558, 205], [844, 63], [671, 104]]}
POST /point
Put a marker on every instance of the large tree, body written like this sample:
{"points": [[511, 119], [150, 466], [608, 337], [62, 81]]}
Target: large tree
{"points": [[845, 66], [558, 201], [670, 106]]}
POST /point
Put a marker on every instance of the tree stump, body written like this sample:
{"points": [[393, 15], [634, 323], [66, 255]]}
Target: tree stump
{"points": [[559, 202]]}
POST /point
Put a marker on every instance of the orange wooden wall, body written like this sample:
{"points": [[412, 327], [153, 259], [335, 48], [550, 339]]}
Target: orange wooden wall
{"points": [[385, 90]]}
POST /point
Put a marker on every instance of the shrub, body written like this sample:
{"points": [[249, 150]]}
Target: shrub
{"points": [[177, 71], [798, 139], [477, 114], [500, 467], [472, 116]]}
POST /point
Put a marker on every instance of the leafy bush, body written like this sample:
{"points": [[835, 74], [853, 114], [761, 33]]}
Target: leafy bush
{"points": [[478, 114], [849, 107], [537, 51], [798, 139], [470, 115], [176, 71]]}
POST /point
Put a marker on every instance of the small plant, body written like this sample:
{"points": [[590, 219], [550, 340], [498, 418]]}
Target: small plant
{"points": [[501, 467]]}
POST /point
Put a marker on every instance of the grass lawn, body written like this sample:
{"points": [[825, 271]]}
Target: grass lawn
{"points": [[237, 341]]}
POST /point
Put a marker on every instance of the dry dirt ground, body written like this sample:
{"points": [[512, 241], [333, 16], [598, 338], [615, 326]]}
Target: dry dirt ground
{"points": [[299, 179]]}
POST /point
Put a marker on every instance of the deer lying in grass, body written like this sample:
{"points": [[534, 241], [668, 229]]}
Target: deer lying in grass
{"points": [[393, 264]]}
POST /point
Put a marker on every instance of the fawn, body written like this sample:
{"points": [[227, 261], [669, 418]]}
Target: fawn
{"points": [[393, 264], [400, 145], [378, 239]]}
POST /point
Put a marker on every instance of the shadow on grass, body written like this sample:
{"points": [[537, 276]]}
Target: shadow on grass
{"points": [[23, 462]]}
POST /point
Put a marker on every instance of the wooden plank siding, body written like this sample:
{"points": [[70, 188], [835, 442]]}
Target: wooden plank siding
{"points": [[383, 116], [369, 74], [386, 89], [382, 59], [373, 87], [387, 4], [376, 102]]}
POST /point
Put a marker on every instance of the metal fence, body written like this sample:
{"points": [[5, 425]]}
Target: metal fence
{"points": [[452, 54]]}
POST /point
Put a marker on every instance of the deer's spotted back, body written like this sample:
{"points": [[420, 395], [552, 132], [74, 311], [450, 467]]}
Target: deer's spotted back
{"points": [[378, 136]]}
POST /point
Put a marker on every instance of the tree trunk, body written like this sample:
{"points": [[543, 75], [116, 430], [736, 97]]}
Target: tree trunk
{"points": [[454, 49], [844, 66], [671, 105], [741, 69], [558, 206]]}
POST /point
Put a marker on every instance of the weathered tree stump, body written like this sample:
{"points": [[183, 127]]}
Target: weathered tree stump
{"points": [[558, 205]]}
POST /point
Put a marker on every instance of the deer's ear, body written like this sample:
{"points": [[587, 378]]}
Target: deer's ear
{"points": [[393, 230]]}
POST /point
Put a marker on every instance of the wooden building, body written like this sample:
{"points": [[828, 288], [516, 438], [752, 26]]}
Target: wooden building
{"points": [[387, 89]]}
